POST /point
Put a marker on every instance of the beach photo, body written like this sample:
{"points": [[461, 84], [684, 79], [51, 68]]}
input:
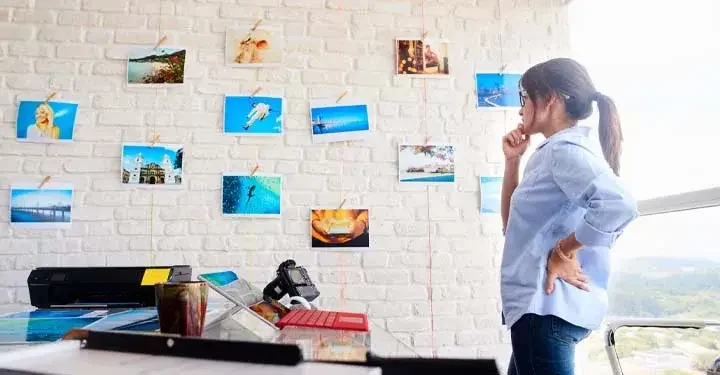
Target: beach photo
{"points": [[46, 122], [41, 208], [245, 48], [423, 58], [159, 165], [497, 90], [338, 123], [490, 191], [161, 66], [426, 164], [340, 228], [259, 195], [253, 115]]}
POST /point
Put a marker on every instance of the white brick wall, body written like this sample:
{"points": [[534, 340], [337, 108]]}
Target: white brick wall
{"points": [[76, 47]]}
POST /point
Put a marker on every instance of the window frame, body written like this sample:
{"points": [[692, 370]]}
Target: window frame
{"points": [[691, 200]]}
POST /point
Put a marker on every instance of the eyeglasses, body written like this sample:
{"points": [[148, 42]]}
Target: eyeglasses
{"points": [[523, 94]]}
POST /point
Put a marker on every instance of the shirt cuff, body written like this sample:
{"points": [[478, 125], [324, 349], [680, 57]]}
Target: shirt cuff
{"points": [[588, 235]]}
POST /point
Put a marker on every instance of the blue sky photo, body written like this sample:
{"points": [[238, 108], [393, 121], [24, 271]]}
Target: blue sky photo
{"points": [[64, 114], [490, 191], [239, 119], [496, 90], [340, 119], [150, 154], [60, 200], [40, 197]]}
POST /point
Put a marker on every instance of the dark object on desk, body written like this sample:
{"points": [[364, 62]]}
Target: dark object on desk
{"points": [[4, 371], [292, 280], [100, 287], [428, 366], [181, 307], [193, 347]]}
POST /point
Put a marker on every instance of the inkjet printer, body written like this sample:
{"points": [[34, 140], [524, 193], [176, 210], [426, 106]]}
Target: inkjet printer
{"points": [[100, 287]]}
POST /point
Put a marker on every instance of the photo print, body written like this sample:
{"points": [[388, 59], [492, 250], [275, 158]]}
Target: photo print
{"points": [[422, 58], [245, 48], [48, 207], [339, 122], [426, 164], [46, 122], [259, 195], [340, 228], [147, 165], [161, 66], [253, 115], [490, 194], [498, 90]]}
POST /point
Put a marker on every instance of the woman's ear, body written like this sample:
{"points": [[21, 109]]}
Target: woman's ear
{"points": [[551, 99]]}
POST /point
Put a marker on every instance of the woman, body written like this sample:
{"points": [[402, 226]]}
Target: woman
{"points": [[44, 128], [561, 220]]}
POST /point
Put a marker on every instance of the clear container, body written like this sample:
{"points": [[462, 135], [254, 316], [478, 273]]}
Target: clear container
{"points": [[322, 344]]}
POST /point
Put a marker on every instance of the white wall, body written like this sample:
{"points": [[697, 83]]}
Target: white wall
{"points": [[76, 48]]}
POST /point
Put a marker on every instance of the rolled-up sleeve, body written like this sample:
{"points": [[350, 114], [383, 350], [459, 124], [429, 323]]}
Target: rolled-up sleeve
{"points": [[593, 186]]}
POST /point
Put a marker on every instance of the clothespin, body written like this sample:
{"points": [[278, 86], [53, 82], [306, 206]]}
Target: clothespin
{"points": [[161, 41], [257, 90], [502, 68], [425, 142], [257, 23], [252, 173], [44, 181], [425, 34], [341, 96], [155, 140], [49, 97], [341, 204]]}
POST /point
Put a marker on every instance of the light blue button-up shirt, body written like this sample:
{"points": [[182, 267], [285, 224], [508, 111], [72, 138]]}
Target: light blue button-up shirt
{"points": [[567, 187]]}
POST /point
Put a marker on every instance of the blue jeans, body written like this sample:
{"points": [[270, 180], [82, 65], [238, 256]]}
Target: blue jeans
{"points": [[544, 345]]}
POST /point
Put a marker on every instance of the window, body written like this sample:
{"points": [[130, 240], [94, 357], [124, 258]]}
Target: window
{"points": [[665, 266], [659, 61]]}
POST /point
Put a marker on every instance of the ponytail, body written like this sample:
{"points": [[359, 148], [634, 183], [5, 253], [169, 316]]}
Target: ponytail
{"points": [[610, 131]]}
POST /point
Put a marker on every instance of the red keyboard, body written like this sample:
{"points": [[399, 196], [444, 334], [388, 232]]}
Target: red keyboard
{"points": [[325, 319]]}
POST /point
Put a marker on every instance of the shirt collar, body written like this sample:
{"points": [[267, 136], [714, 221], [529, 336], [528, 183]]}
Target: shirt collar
{"points": [[565, 134]]}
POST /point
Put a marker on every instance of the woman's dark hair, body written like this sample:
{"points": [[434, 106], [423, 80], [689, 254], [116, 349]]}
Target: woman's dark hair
{"points": [[571, 82]]}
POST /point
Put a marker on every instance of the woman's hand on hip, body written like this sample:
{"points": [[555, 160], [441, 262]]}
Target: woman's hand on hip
{"points": [[567, 268], [515, 143]]}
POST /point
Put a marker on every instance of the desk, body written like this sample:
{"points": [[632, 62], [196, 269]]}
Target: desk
{"points": [[222, 323], [68, 358]]}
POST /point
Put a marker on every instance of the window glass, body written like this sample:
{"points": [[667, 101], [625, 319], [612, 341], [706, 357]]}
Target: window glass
{"points": [[659, 61], [664, 266]]}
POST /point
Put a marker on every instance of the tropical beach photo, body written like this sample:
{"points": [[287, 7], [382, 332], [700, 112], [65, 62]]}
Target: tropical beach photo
{"points": [[428, 164], [259, 195], [152, 165], [46, 122], [490, 190], [340, 228], [247, 48], [497, 90], [253, 115], [46, 207], [337, 123], [164, 65]]}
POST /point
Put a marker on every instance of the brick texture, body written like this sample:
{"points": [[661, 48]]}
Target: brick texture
{"points": [[76, 47]]}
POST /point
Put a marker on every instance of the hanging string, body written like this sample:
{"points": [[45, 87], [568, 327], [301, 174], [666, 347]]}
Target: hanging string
{"points": [[502, 54], [154, 139], [427, 192]]}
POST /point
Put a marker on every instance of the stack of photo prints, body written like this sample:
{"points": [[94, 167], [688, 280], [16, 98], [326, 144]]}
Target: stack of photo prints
{"points": [[251, 194]]}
